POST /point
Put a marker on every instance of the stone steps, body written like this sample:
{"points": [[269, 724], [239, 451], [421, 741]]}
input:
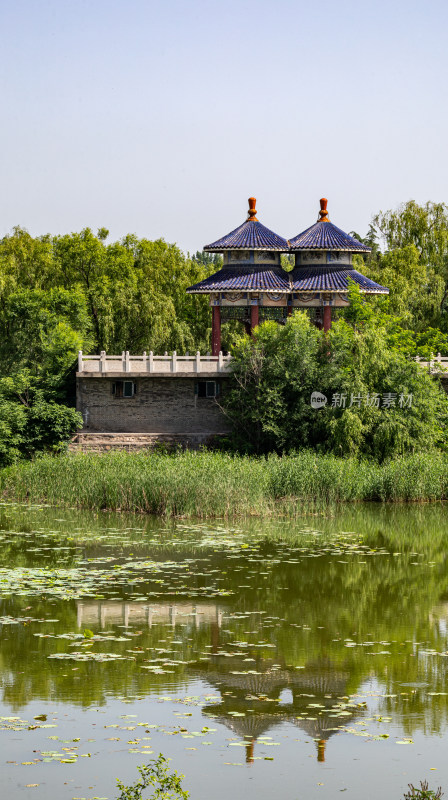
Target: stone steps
{"points": [[103, 442]]}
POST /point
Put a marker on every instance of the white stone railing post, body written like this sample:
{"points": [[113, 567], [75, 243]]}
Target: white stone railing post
{"points": [[220, 361], [123, 361], [127, 367], [174, 362], [80, 361], [151, 361], [144, 358], [198, 362], [103, 361]]}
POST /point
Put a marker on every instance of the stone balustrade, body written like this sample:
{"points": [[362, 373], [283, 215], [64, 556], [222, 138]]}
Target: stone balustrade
{"points": [[148, 363], [125, 612], [436, 364]]}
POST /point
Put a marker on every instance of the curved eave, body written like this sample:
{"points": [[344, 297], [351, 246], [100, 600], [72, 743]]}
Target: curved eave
{"points": [[210, 248], [366, 250], [272, 290], [244, 280], [327, 279], [381, 290]]}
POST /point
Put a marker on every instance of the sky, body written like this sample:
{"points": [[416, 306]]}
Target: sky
{"points": [[162, 118]]}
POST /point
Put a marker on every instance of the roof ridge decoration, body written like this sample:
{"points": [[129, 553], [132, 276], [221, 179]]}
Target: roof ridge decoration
{"points": [[323, 213], [326, 237], [251, 235], [252, 213]]}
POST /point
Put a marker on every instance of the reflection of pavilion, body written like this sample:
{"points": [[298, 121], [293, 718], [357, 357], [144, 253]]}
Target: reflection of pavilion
{"points": [[256, 694], [127, 613]]}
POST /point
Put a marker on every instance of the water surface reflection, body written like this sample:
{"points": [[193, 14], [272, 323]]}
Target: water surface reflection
{"points": [[329, 632]]}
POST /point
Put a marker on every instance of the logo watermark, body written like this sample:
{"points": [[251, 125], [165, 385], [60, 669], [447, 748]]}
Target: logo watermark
{"points": [[318, 400], [373, 400]]}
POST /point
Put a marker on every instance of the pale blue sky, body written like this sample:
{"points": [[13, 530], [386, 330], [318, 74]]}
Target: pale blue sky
{"points": [[161, 118]]}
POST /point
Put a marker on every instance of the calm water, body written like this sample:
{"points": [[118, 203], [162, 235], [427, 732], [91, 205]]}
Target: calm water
{"points": [[294, 659]]}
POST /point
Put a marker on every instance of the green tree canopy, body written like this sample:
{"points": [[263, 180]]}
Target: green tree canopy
{"points": [[426, 227], [131, 294]]}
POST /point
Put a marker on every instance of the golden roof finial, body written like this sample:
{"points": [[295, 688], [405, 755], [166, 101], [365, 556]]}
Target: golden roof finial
{"points": [[252, 217], [323, 213]]}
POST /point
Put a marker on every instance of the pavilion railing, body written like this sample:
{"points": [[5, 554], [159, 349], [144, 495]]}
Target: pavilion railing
{"points": [[151, 364]]}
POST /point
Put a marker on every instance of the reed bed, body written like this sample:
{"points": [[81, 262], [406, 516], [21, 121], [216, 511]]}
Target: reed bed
{"points": [[208, 484]]}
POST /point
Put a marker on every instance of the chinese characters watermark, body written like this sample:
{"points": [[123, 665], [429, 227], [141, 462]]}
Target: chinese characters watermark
{"points": [[374, 400]]}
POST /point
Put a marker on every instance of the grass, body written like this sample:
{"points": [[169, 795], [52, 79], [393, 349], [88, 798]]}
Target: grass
{"points": [[208, 484]]}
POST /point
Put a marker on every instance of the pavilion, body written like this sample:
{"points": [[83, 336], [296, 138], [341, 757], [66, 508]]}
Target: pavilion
{"points": [[324, 267], [251, 277], [253, 286]]}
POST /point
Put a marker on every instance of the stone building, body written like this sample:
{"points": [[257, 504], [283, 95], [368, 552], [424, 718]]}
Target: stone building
{"points": [[136, 401]]}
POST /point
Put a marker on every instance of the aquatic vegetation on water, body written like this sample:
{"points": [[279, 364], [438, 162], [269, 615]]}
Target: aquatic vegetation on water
{"points": [[324, 632]]}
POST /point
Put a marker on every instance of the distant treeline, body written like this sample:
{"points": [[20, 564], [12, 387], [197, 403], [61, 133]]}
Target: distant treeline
{"points": [[75, 292]]}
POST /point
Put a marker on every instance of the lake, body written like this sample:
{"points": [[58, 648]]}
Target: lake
{"points": [[301, 658]]}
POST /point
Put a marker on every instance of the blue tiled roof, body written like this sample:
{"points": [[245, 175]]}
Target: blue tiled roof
{"points": [[327, 279], [268, 279], [271, 279], [251, 235], [323, 235]]}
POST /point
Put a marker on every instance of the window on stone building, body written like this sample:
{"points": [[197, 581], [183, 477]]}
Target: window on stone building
{"points": [[124, 389], [207, 389]]}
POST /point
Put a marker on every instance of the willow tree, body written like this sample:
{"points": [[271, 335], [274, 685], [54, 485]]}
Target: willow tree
{"points": [[425, 227]]}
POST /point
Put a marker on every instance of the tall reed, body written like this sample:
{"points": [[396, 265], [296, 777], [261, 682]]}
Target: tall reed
{"points": [[208, 484]]}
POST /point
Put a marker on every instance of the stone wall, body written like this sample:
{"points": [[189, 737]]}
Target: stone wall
{"points": [[161, 405], [104, 441]]}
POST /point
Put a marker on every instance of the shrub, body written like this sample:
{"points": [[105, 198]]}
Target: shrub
{"points": [[423, 793], [166, 785], [275, 372]]}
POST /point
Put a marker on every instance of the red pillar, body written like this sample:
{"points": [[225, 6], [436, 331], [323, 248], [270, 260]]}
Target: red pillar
{"points": [[327, 318], [253, 318], [216, 331], [321, 750], [249, 750]]}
